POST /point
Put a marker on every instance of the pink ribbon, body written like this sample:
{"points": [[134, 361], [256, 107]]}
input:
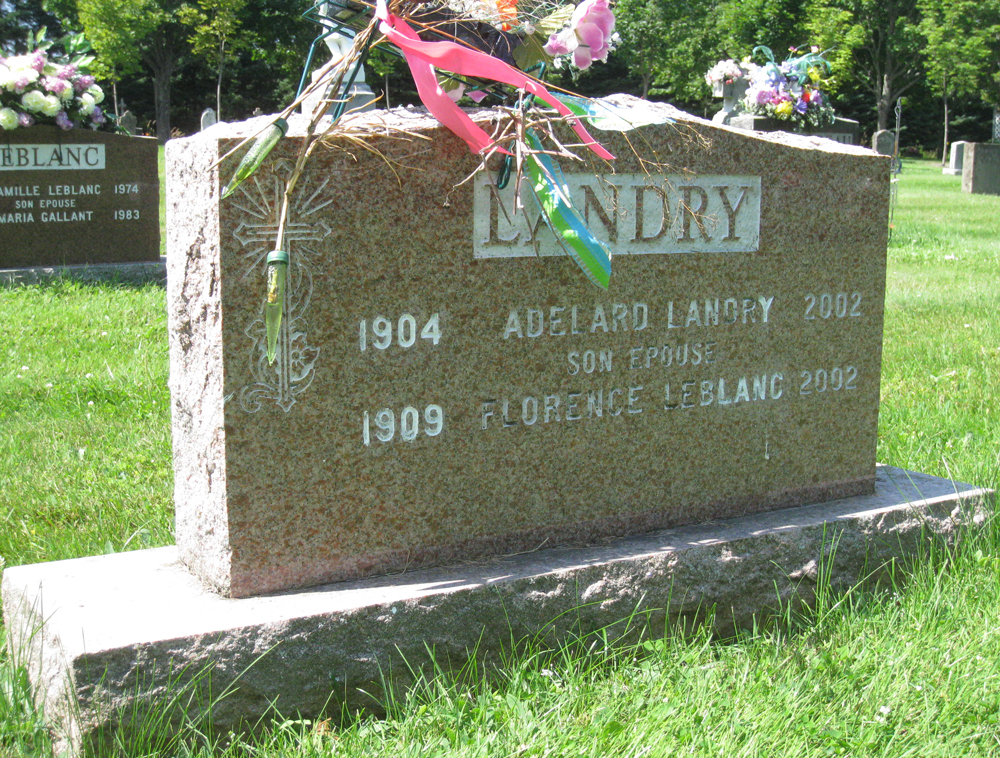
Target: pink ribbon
{"points": [[423, 57]]}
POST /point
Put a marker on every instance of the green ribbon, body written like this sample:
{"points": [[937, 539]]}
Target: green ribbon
{"points": [[551, 192]]}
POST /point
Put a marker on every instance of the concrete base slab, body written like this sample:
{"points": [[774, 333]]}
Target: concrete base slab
{"points": [[111, 639], [132, 273]]}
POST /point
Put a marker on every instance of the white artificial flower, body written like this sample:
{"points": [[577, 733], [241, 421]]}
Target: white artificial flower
{"points": [[52, 105], [97, 93], [8, 119], [18, 62], [87, 103], [6, 78], [33, 101]]}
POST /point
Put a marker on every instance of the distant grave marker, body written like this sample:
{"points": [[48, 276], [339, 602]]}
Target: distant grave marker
{"points": [[981, 170], [884, 142], [128, 123], [208, 118], [956, 159]]}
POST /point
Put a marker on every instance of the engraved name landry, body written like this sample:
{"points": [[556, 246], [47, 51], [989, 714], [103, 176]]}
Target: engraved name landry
{"points": [[633, 214]]}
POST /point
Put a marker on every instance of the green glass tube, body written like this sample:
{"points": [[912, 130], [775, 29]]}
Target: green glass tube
{"points": [[258, 151], [277, 270]]}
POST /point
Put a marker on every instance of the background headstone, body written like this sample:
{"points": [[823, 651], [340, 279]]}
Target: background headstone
{"points": [[981, 172], [128, 123], [257, 112], [731, 94], [844, 130], [884, 142], [208, 118], [78, 197], [956, 159], [447, 390]]}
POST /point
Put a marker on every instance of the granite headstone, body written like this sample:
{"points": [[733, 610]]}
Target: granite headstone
{"points": [[884, 142], [128, 123], [208, 118], [981, 169], [80, 196], [843, 130], [449, 386], [956, 159]]}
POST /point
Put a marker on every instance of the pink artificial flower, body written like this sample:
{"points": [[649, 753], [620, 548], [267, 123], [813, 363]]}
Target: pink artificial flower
{"points": [[83, 83], [588, 36], [66, 72], [39, 61], [55, 85], [25, 119], [21, 84]]}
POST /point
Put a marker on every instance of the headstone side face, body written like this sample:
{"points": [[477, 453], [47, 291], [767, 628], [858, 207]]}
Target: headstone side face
{"points": [[449, 386], [78, 197], [981, 170], [194, 311]]}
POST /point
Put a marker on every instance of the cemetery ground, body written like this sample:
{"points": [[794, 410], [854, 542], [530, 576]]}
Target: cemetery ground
{"points": [[909, 668]]}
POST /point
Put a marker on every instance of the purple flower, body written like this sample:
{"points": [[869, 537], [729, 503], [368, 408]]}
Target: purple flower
{"points": [[39, 61], [21, 84], [800, 107], [62, 121], [66, 72], [25, 119], [83, 83], [97, 115]]}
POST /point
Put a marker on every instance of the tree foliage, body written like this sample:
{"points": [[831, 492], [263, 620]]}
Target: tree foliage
{"points": [[877, 42], [21, 18], [214, 25]]}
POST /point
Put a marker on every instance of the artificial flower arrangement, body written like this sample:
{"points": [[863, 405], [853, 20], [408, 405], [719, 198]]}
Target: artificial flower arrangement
{"points": [[727, 72], [39, 87], [791, 90], [497, 49]]}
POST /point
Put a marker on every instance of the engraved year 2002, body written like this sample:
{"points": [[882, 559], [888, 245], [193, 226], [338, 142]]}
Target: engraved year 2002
{"points": [[828, 305], [832, 380]]}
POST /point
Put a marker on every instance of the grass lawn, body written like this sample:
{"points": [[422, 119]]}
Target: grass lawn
{"points": [[85, 468]]}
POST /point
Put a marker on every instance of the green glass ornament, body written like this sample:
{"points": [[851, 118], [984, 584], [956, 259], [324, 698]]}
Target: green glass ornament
{"points": [[263, 145], [277, 270]]}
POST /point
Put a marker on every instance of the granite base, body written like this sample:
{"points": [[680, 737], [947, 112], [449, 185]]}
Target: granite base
{"points": [[113, 638]]}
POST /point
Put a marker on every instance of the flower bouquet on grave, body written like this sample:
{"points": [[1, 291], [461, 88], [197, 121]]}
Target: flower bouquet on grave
{"points": [[791, 90], [487, 50], [40, 87], [725, 75]]}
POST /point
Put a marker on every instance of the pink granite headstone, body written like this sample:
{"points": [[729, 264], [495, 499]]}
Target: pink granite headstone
{"points": [[449, 387]]}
